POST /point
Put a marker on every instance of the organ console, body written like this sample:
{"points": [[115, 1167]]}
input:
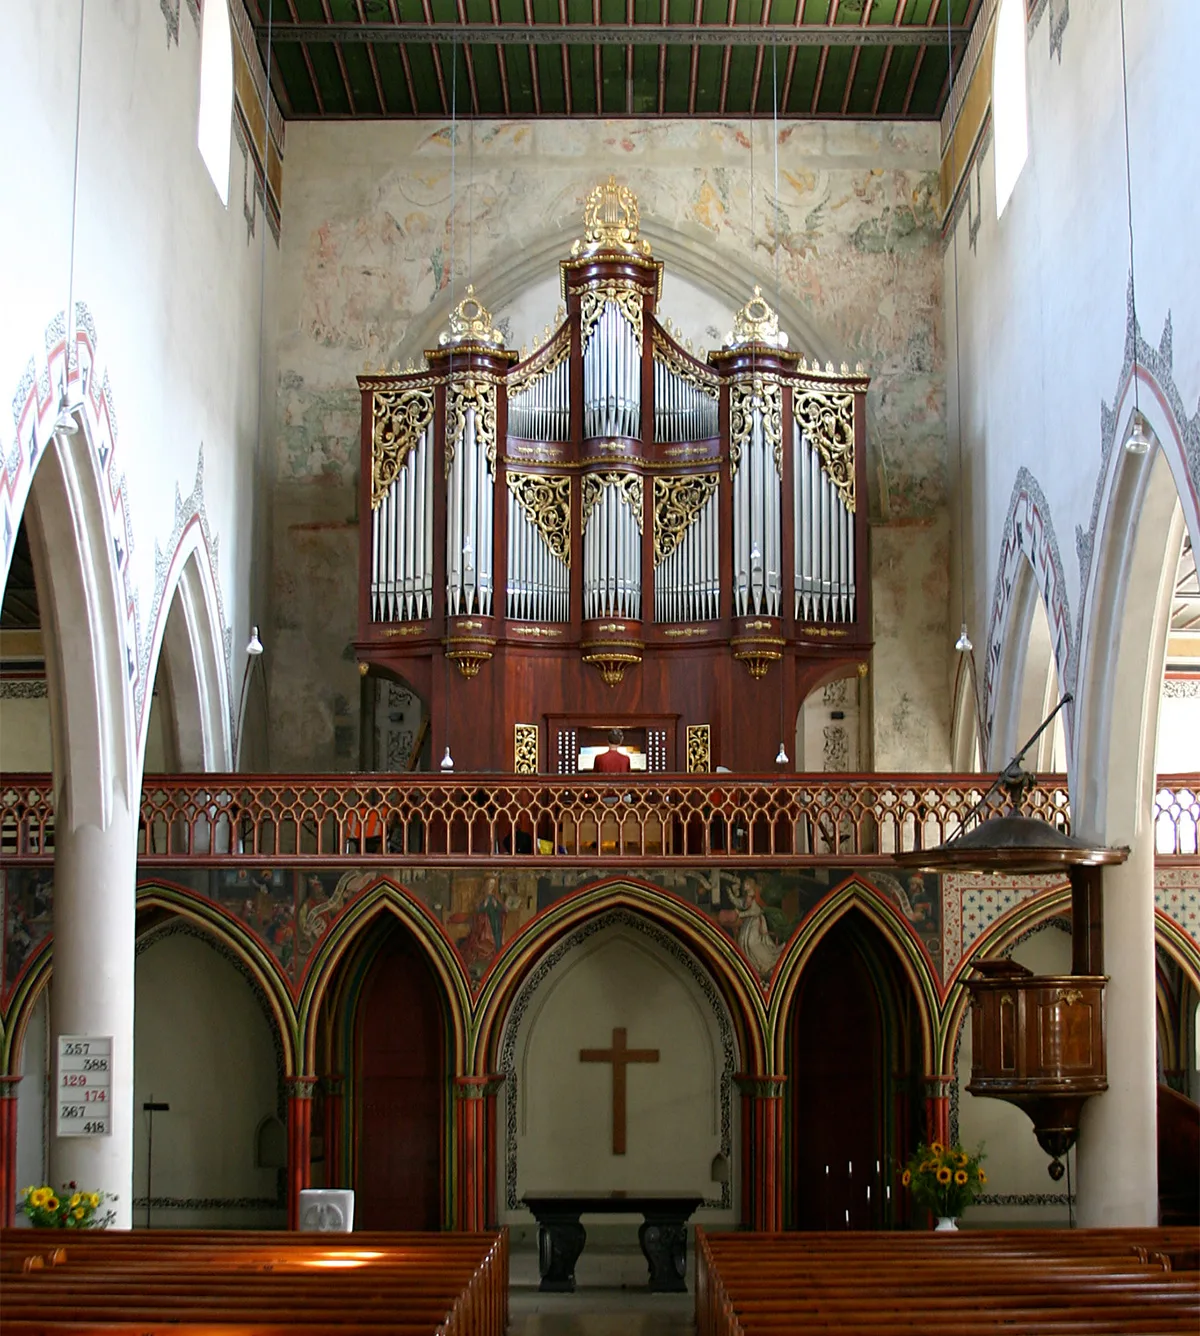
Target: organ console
{"points": [[612, 531]]}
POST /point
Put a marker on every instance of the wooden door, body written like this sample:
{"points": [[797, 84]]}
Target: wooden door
{"points": [[399, 1091], [837, 1092]]}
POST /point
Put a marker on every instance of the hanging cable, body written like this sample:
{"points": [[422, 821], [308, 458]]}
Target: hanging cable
{"points": [[65, 423], [1138, 440]]}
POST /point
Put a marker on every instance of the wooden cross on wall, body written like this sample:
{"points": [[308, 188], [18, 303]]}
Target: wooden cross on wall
{"points": [[620, 1056]]}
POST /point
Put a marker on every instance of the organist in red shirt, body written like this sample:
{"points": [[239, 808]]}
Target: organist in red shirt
{"points": [[613, 761]]}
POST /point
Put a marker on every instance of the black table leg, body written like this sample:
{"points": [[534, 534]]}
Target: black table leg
{"points": [[560, 1241], [664, 1243]]}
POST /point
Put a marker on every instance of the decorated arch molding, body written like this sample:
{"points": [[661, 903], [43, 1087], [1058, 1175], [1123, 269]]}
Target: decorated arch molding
{"points": [[191, 538], [35, 407], [1178, 433], [1028, 535], [385, 896], [694, 931], [854, 895]]}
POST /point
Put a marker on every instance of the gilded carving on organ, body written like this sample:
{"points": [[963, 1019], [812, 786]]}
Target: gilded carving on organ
{"points": [[611, 220], [765, 394], [677, 502], [474, 391], [625, 296], [629, 486], [827, 419], [398, 417], [547, 503]]}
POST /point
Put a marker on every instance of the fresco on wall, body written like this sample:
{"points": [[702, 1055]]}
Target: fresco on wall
{"points": [[27, 897], [368, 256], [291, 911]]}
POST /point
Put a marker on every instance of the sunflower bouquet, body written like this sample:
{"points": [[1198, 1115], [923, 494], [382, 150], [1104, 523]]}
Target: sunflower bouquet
{"points": [[68, 1209], [946, 1179]]}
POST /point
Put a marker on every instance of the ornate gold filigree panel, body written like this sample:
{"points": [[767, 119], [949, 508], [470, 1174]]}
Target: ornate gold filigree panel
{"points": [[677, 502], [398, 418], [546, 502], [627, 297], [545, 362], [699, 749], [525, 749], [827, 419], [766, 394], [666, 353], [629, 484], [477, 391]]}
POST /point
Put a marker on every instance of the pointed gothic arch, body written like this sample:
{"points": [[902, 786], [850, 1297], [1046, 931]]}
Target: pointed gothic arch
{"points": [[696, 933], [855, 896], [188, 641]]}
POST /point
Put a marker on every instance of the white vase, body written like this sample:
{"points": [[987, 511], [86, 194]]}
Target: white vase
{"points": [[945, 1222]]}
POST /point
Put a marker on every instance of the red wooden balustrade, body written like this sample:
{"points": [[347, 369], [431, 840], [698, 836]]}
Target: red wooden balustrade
{"points": [[426, 819]]}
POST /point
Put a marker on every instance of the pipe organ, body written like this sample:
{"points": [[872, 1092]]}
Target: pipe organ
{"points": [[612, 528]]}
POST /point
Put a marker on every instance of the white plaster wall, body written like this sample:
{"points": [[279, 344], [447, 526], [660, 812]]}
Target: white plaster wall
{"points": [[1178, 734], [32, 1094], [564, 1111], [24, 733], [170, 276], [202, 1045], [1015, 1164], [1042, 292]]}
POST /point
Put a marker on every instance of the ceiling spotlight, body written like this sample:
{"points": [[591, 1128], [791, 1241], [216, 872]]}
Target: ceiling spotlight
{"points": [[447, 760], [963, 643], [1138, 440], [254, 645], [781, 757]]}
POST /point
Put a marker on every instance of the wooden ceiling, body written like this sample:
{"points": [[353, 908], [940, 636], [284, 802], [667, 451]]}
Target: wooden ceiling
{"points": [[408, 59]]}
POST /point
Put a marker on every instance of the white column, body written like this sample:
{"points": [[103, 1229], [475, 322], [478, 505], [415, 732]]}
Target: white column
{"points": [[91, 992], [1118, 1132]]}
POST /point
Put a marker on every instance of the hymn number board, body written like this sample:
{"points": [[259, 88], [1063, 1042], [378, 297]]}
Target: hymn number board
{"points": [[84, 1085]]}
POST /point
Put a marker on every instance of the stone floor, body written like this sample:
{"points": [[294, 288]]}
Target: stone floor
{"points": [[610, 1299]]}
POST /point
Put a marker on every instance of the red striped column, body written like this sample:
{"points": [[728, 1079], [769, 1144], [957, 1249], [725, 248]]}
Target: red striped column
{"points": [[475, 1128], [762, 1151], [299, 1132], [937, 1108], [334, 1088], [8, 1150]]}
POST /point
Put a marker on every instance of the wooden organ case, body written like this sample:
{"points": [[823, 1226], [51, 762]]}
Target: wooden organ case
{"points": [[612, 532]]}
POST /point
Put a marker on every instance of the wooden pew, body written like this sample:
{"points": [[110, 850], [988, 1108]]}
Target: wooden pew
{"points": [[974, 1283], [243, 1283]]}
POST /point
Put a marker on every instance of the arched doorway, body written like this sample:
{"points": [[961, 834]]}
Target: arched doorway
{"points": [[396, 1035], [854, 1081]]}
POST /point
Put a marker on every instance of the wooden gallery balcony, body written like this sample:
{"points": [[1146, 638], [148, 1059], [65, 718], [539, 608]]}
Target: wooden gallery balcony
{"points": [[642, 820]]}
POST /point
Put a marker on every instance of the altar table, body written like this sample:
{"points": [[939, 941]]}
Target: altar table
{"points": [[662, 1234]]}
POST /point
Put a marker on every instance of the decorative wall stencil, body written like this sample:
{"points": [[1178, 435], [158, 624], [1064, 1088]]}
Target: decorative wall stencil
{"points": [[836, 694], [1181, 688], [35, 411], [836, 750], [23, 688], [398, 716], [973, 902], [1060, 15], [1029, 535], [616, 918], [1177, 895]]}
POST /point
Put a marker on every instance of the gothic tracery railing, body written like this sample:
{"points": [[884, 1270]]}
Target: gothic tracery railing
{"points": [[424, 819]]}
